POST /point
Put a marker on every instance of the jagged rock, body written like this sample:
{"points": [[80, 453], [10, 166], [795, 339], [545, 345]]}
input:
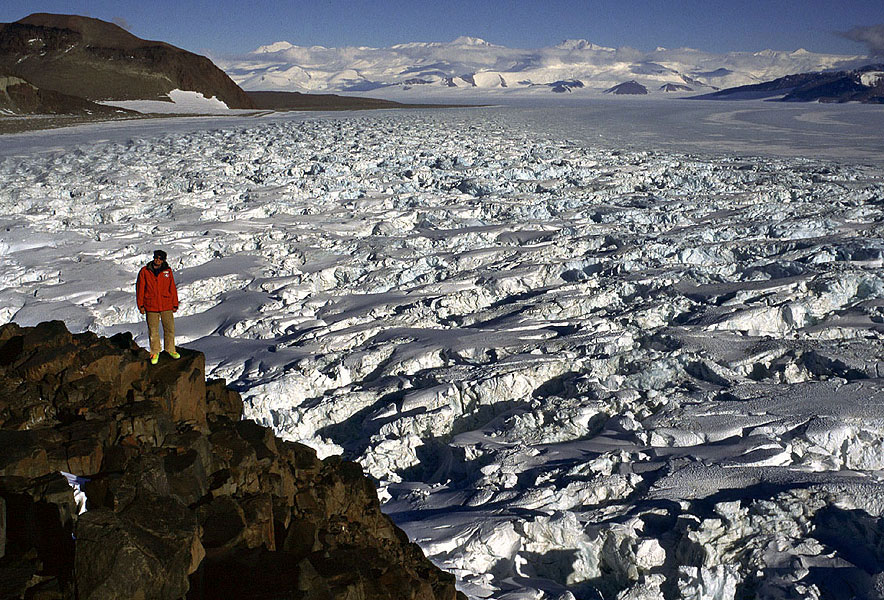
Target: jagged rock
{"points": [[221, 401], [183, 498], [146, 550], [37, 536], [181, 388], [2, 527]]}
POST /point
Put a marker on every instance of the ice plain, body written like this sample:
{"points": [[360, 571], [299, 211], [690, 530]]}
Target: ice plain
{"points": [[581, 356]]}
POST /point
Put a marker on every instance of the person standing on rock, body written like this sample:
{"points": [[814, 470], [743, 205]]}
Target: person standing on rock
{"points": [[157, 297]]}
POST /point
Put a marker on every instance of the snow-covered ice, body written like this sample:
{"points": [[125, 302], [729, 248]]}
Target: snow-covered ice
{"points": [[180, 101], [574, 371]]}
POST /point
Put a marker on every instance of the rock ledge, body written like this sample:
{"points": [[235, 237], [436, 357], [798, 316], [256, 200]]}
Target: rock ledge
{"points": [[183, 498]]}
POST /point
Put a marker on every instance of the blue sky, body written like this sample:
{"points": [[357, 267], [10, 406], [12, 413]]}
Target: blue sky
{"points": [[226, 27]]}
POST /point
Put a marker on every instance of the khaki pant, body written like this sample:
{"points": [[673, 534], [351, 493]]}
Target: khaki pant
{"points": [[153, 330]]}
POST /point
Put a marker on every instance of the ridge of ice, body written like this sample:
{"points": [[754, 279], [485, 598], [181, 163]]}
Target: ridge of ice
{"points": [[574, 371]]}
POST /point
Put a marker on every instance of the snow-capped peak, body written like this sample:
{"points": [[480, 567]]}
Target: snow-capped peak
{"points": [[581, 45], [871, 78], [466, 40], [274, 47], [413, 45], [471, 64]]}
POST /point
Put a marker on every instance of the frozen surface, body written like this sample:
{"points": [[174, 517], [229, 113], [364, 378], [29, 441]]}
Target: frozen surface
{"points": [[844, 132], [575, 371], [180, 101]]}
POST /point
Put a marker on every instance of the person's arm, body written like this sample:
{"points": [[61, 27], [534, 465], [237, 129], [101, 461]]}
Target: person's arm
{"points": [[174, 290], [139, 292]]}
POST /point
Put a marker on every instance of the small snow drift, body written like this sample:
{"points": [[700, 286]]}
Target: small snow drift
{"points": [[489, 79], [180, 102]]}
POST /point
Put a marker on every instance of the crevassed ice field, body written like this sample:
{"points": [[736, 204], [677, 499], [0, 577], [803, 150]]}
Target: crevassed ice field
{"points": [[620, 351]]}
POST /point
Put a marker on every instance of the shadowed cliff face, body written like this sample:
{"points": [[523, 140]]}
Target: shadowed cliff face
{"points": [[865, 85], [20, 97], [96, 60], [183, 498]]}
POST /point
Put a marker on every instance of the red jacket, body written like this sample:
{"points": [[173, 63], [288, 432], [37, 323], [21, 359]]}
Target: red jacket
{"points": [[156, 293]]}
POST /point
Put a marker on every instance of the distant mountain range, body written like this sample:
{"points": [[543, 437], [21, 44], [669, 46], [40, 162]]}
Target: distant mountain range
{"points": [[471, 65], [68, 64], [865, 84]]}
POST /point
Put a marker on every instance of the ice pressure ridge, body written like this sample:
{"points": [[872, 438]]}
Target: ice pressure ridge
{"points": [[571, 370]]}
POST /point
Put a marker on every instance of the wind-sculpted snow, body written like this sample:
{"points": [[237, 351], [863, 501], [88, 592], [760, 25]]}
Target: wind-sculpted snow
{"points": [[574, 373]]}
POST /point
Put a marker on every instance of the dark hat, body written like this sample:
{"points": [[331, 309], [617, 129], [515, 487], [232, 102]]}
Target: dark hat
{"points": [[159, 254]]}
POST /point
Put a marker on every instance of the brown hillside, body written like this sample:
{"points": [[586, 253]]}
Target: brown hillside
{"points": [[19, 97], [96, 60], [94, 32]]}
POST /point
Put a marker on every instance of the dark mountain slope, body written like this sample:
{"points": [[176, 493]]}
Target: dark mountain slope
{"points": [[627, 88], [859, 85], [96, 60], [297, 101], [19, 97]]}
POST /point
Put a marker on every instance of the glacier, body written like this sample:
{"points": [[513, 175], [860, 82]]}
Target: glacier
{"points": [[579, 360]]}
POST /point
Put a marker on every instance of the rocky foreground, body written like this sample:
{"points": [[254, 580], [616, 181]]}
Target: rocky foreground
{"points": [[183, 499]]}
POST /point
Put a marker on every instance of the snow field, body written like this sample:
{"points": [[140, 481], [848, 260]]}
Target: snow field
{"points": [[180, 101], [573, 372]]}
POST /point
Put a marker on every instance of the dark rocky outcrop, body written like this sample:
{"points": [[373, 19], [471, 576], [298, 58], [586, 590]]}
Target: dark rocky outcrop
{"points": [[184, 498], [283, 101], [627, 88], [675, 87], [565, 85], [18, 96], [860, 85], [95, 60]]}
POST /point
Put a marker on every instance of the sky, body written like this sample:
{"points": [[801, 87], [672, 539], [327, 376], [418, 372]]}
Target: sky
{"points": [[226, 28]]}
